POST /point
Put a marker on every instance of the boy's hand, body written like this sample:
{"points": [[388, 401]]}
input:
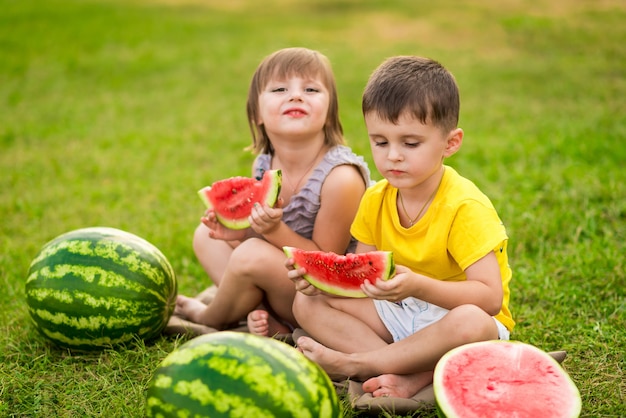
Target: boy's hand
{"points": [[395, 289], [296, 276]]}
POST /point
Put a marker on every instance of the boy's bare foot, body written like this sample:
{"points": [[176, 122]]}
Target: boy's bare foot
{"points": [[335, 363], [260, 322], [396, 385], [189, 308]]}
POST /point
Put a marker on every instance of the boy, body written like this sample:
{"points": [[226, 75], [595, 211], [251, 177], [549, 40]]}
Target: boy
{"points": [[452, 272]]}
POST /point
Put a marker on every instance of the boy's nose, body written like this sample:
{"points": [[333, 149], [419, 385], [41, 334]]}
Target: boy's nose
{"points": [[394, 154]]}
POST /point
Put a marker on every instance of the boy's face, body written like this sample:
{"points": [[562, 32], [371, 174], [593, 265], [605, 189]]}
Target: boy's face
{"points": [[293, 106], [409, 152]]}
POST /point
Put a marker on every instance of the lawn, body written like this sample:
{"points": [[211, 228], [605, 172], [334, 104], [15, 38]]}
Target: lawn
{"points": [[113, 113]]}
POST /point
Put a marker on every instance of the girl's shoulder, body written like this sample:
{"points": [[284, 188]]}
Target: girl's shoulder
{"points": [[343, 155]]}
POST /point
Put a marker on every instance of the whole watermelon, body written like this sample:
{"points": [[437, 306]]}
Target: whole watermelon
{"points": [[98, 287], [232, 374]]}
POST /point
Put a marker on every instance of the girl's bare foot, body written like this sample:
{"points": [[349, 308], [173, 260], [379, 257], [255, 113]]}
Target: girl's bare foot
{"points": [[260, 322], [189, 308], [397, 385]]}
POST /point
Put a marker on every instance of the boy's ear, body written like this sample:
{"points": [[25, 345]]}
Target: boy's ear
{"points": [[454, 142]]}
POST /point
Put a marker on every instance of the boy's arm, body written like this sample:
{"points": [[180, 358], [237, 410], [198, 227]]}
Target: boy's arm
{"points": [[363, 248], [482, 288]]}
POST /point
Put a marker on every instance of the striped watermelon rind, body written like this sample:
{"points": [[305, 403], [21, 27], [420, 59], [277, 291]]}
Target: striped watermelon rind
{"points": [[99, 287], [232, 374], [503, 379]]}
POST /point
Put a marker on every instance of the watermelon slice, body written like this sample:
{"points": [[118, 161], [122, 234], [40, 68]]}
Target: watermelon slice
{"points": [[342, 275], [503, 379], [233, 198]]}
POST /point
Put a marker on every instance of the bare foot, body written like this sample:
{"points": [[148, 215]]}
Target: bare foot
{"points": [[260, 322], [333, 362], [177, 325], [189, 308], [207, 295], [397, 385]]}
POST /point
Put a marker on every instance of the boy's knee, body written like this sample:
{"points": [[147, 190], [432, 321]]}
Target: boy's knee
{"points": [[472, 324]]}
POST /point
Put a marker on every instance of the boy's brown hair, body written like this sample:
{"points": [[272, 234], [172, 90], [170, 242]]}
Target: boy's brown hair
{"points": [[420, 86], [283, 64]]}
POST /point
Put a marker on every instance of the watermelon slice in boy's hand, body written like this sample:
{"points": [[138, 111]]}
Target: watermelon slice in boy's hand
{"points": [[232, 199], [343, 275]]}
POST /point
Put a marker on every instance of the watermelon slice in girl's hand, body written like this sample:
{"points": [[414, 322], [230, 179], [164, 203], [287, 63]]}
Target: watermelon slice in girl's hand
{"points": [[503, 379], [232, 199], [343, 275]]}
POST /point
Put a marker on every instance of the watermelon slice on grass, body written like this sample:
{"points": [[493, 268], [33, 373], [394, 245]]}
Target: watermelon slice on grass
{"points": [[233, 198], [503, 379], [343, 275]]}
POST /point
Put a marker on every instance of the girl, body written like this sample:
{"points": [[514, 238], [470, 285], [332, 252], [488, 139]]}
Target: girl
{"points": [[294, 119]]}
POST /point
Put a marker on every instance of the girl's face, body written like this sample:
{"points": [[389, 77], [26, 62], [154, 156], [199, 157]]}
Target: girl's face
{"points": [[408, 153], [294, 106]]}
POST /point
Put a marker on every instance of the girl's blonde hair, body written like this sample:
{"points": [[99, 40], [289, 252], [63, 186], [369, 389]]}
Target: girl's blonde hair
{"points": [[282, 64]]}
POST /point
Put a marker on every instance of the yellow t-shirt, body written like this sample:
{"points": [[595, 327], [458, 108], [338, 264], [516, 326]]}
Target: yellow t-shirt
{"points": [[460, 227]]}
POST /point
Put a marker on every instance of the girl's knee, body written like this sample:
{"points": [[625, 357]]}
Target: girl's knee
{"points": [[200, 235], [300, 306], [248, 252]]}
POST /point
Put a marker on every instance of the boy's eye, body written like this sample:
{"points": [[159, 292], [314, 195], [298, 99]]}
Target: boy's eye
{"points": [[380, 143], [412, 144]]}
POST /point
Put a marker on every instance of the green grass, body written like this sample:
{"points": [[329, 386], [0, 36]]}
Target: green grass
{"points": [[115, 112]]}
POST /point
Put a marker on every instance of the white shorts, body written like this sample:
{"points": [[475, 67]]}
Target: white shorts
{"points": [[411, 315]]}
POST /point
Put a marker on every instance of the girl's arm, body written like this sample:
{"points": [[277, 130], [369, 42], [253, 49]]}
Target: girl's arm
{"points": [[340, 196]]}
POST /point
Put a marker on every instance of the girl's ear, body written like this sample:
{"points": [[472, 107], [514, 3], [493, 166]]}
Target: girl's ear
{"points": [[453, 142]]}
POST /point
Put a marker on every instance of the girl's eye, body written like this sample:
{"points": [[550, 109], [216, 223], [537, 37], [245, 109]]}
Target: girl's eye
{"points": [[278, 89], [311, 90]]}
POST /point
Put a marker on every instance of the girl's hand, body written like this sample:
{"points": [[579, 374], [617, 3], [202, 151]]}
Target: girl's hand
{"points": [[296, 276], [395, 289], [264, 219], [219, 231]]}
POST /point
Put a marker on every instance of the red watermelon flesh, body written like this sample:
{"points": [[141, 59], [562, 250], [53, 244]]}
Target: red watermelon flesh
{"points": [[503, 379], [343, 275], [232, 199]]}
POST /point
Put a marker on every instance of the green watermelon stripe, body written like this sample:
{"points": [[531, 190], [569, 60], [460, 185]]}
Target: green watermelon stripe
{"points": [[106, 248], [122, 257], [103, 274], [226, 360], [210, 400], [289, 362], [240, 375], [71, 298], [90, 342]]}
